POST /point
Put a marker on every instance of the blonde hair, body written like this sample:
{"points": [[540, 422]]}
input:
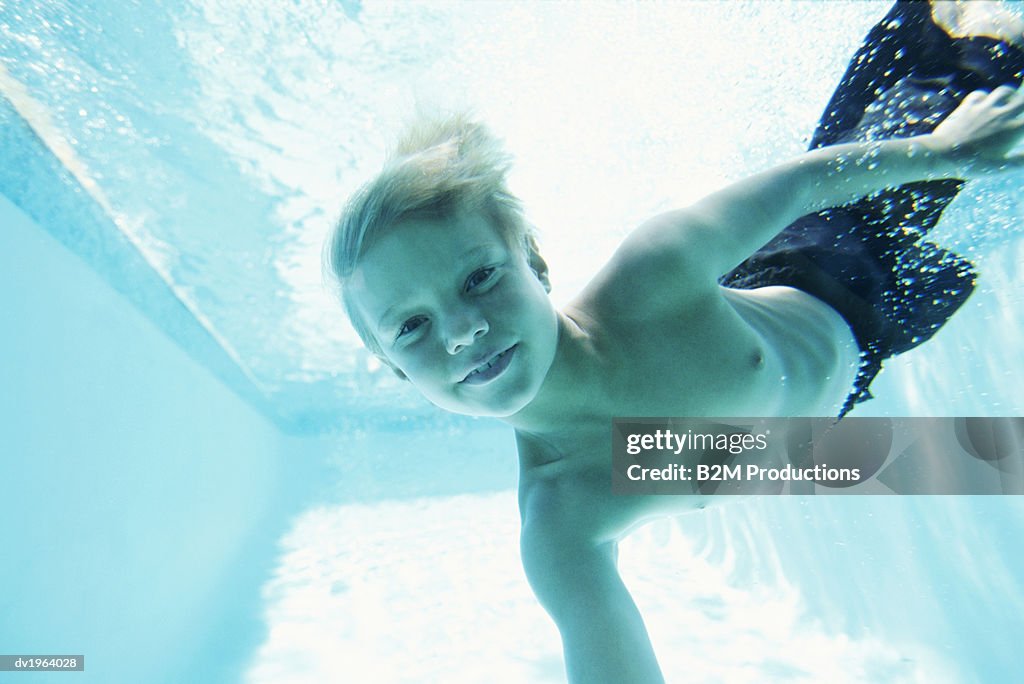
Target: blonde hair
{"points": [[438, 169]]}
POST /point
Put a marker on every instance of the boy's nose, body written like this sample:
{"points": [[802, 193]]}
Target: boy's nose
{"points": [[464, 330]]}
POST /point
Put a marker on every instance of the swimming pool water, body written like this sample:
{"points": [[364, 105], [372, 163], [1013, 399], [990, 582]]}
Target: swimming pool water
{"points": [[204, 479]]}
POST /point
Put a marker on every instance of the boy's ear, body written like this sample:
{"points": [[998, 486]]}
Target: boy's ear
{"points": [[540, 268]]}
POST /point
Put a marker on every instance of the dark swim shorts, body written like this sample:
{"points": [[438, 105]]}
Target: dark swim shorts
{"points": [[869, 259]]}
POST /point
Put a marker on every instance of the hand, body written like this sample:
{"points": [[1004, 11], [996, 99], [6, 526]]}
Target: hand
{"points": [[980, 134]]}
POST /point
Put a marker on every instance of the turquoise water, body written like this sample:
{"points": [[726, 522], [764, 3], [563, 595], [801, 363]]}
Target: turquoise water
{"points": [[203, 478]]}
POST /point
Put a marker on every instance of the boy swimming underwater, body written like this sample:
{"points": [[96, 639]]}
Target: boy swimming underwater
{"points": [[772, 297]]}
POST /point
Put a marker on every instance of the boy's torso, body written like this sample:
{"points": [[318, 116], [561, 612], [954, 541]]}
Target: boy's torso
{"points": [[768, 352]]}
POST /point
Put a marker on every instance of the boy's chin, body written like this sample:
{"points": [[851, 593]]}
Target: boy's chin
{"points": [[483, 411], [507, 407]]}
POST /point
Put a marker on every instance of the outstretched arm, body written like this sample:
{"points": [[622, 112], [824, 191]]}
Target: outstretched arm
{"points": [[575, 578], [711, 237]]}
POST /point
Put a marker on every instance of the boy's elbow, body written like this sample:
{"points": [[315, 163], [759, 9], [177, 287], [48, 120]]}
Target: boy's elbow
{"points": [[564, 572]]}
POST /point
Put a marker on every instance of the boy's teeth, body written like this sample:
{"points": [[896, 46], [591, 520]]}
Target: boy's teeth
{"points": [[487, 365]]}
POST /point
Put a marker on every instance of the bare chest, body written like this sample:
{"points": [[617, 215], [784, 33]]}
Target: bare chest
{"points": [[774, 351], [709, 362]]}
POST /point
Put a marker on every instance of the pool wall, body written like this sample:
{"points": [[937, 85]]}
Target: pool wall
{"points": [[145, 481], [139, 497]]}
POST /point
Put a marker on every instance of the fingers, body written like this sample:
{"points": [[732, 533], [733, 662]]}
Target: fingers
{"points": [[1001, 96], [1015, 101], [1005, 100], [1006, 96], [1003, 93], [985, 128], [974, 96]]}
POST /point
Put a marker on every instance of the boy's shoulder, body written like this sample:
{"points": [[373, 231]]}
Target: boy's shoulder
{"points": [[555, 501], [656, 270], [553, 474], [567, 498]]}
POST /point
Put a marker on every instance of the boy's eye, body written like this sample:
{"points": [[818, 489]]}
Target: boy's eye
{"points": [[409, 326], [479, 277]]}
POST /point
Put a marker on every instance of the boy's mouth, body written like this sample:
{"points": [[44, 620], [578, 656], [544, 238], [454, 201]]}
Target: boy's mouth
{"points": [[490, 369]]}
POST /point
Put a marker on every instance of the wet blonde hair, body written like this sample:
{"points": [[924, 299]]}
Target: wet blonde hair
{"points": [[438, 169]]}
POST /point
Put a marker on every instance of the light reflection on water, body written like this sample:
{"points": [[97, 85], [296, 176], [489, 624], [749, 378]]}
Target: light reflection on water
{"points": [[273, 113], [872, 589], [852, 590]]}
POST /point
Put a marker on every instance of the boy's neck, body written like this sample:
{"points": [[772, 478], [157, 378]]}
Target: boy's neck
{"points": [[571, 377]]}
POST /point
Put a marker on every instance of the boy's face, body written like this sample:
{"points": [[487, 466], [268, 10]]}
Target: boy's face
{"points": [[459, 312]]}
